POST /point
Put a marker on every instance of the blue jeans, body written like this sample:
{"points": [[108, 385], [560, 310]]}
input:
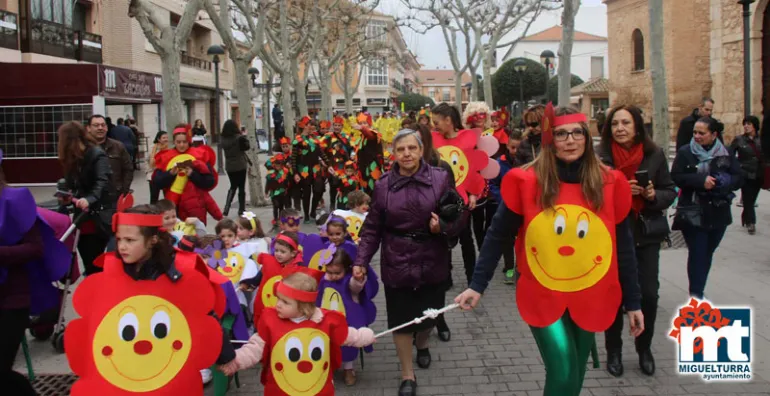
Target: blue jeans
{"points": [[701, 245]]}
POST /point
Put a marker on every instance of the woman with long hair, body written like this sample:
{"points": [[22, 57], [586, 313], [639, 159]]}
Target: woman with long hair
{"points": [[199, 129], [574, 246], [87, 172], [236, 165], [530, 146], [627, 147], [707, 175], [159, 144]]}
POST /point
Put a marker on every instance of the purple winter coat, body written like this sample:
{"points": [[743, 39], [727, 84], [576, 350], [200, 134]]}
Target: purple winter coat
{"points": [[400, 205]]}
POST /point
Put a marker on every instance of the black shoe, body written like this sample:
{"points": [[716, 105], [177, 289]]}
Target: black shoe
{"points": [[228, 202], [423, 358], [615, 363], [408, 388], [444, 334], [646, 362]]}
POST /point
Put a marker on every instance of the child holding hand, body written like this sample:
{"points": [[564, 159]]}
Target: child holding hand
{"points": [[298, 344], [286, 254]]}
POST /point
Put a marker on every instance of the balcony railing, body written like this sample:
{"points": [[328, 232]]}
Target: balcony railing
{"points": [[9, 30], [196, 62], [54, 39]]}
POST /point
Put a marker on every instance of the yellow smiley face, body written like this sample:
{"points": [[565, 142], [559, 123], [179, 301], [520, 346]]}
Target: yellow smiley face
{"points": [[488, 132], [181, 179], [186, 229], [354, 226], [269, 299], [332, 300], [300, 361], [568, 249], [315, 261], [233, 268], [142, 343], [456, 159]]}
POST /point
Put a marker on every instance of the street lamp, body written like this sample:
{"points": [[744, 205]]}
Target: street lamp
{"points": [[547, 57], [520, 67], [746, 58], [215, 51]]}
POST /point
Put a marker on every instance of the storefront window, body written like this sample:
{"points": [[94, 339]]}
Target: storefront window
{"points": [[30, 132]]}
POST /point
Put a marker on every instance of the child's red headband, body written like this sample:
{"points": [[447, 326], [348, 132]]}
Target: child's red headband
{"points": [[287, 240], [295, 294], [183, 131], [135, 219]]}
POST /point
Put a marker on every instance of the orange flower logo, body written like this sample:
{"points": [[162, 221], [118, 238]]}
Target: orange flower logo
{"points": [[696, 314]]}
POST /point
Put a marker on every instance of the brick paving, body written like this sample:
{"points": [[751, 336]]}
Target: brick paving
{"points": [[493, 353]]}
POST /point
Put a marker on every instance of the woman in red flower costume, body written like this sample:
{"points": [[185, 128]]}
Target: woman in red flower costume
{"points": [[147, 321], [186, 175], [569, 213]]}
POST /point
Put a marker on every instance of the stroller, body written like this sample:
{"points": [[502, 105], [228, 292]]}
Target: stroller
{"points": [[50, 324]]}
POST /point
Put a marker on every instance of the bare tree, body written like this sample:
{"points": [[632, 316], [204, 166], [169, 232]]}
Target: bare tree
{"points": [[168, 42], [227, 16], [658, 71], [482, 25], [571, 8]]}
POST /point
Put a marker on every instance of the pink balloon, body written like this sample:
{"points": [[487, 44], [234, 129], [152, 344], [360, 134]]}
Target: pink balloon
{"points": [[488, 144], [492, 170]]}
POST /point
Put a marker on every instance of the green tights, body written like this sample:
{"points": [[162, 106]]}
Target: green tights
{"points": [[564, 348]]}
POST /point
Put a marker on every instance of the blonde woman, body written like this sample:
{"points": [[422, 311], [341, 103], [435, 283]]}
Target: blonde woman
{"points": [[530, 146], [159, 144], [476, 116]]}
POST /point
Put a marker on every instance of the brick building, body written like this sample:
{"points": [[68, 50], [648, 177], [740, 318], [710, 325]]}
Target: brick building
{"points": [[439, 85], [703, 50]]}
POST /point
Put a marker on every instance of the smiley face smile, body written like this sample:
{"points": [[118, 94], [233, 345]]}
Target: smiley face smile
{"points": [[597, 262]]}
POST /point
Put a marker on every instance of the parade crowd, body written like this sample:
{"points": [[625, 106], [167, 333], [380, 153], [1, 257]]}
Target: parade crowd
{"points": [[166, 307]]}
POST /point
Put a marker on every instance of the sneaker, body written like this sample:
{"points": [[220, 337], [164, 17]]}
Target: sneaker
{"points": [[509, 277], [206, 376]]}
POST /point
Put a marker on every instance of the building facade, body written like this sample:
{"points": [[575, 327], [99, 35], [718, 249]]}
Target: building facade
{"points": [[703, 57], [439, 85], [589, 52], [64, 60]]}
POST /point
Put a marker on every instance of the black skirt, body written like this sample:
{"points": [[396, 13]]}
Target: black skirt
{"points": [[405, 304]]}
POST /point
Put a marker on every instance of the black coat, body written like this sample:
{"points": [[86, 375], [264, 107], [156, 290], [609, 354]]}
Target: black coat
{"points": [[92, 182], [715, 203], [529, 148], [684, 134], [747, 157], [656, 165]]}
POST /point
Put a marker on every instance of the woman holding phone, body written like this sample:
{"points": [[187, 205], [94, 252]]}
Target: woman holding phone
{"points": [[628, 148]]}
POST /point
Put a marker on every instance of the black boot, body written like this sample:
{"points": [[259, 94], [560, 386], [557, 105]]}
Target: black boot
{"points": [[241, 202], [647, 362], [615, 362], [228, 201], [444, 334]]}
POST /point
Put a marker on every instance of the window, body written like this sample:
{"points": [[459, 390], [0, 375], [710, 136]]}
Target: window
{"points": [[597, 104], [597, 67], [30, 131], [432, 93], [58, 11], [376, 30], [445, 94], [377, 73], [638, 40]]}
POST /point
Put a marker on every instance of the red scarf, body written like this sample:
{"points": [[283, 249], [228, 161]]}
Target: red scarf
{"points": [[627, 162]]}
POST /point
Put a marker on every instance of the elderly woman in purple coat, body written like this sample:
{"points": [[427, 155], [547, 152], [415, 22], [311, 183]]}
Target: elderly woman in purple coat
{"points": [[407, 224], [30, 259]]}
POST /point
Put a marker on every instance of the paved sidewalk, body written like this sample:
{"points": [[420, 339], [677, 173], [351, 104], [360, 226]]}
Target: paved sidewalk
{"points": [[492, 351]]}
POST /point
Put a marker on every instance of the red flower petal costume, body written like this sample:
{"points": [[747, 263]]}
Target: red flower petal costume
{"points": [[466, 161], [144, 337], [568, 254]]}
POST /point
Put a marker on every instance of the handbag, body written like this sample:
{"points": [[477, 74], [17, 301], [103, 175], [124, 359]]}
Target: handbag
{"points": [[654, 225], [687, 216]]}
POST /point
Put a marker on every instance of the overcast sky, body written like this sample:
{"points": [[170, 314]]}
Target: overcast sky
{"points": [[431, 50]]}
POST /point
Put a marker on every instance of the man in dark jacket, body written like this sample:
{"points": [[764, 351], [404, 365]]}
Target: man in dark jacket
{"points": [[120, 160], [684, 134], [278, 122], [124, 135]]}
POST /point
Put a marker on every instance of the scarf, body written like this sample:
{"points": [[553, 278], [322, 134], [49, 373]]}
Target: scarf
{"points": [[627, 161], [706, 155]]}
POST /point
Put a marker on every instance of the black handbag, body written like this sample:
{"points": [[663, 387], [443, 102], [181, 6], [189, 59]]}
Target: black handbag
{"points": [[687, 217], [654, 225]]}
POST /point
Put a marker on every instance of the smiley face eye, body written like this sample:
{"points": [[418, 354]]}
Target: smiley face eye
{"points": [[454, 159], [559, 224], [316, 348], [128, 326], [160, 324], [582, 228], [294, 349]]}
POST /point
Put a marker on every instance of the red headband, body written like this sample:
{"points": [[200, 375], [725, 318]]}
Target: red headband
{"points": [[294, 294], [126, 201], [286, 239], [339, 120], [569, 119], [550, 121]]}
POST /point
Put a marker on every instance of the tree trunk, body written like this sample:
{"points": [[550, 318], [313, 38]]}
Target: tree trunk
{"points": [[288, 109], [657, 68], [243, 92], [459, 92], [474, 86], [348, 89], [487, 74], [299, 87], [565, 50], [325, 83], [172, 93]]}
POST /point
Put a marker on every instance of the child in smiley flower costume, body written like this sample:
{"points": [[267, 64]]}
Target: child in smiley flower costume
{"points": [[576, 258], [148, 325]]}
